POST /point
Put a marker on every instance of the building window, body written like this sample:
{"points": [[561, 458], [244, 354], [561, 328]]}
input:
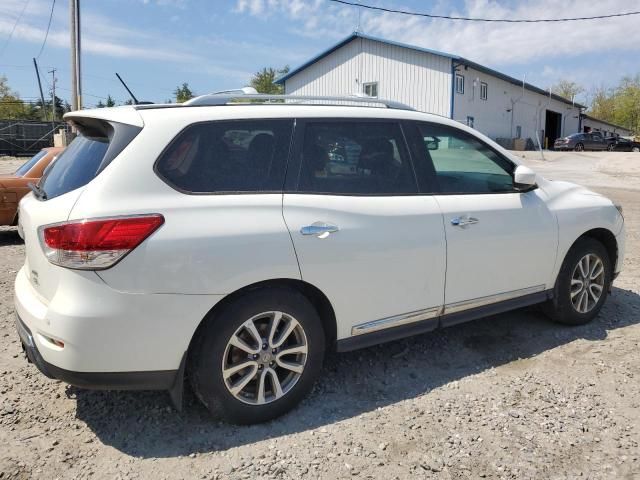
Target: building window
{"points": [[470, 122], [370, 89], [483, 90], [459, 84]]}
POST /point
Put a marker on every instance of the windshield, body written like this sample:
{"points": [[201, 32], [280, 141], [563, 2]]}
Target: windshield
{"points": [[29, 164], [575, 135], [76, 167]]}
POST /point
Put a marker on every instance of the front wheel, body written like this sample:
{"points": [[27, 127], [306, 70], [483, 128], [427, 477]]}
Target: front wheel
{"points": [[610, 148], [635, 149], [582, 284], [258, 357]]}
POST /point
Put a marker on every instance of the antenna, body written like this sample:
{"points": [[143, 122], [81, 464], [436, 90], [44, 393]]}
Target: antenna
{"points": [[133, 97]]}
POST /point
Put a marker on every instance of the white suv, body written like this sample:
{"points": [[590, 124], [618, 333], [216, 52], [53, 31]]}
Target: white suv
{"points": [[233, 241]]}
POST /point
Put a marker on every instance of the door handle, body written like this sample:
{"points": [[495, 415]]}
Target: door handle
{"points": [[463, 221], [319, 229]]}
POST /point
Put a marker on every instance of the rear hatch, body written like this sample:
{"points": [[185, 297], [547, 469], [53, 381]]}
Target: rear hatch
{"points": [[102, 135]]}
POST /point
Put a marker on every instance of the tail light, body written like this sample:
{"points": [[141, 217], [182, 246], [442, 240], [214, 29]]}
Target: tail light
{"points": [[96, 244]]}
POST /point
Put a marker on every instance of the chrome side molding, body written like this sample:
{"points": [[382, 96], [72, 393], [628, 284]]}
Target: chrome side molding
{"points": [[482, 301], [396, 320], [420, 315]]}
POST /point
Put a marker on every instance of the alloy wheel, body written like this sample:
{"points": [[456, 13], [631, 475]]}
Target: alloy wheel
{"points": [[264, 358], [587, 283]]}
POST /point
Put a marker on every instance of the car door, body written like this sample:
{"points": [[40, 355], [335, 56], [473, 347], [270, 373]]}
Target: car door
{"points": [[598, 142], [362, 233], [501, 242]]}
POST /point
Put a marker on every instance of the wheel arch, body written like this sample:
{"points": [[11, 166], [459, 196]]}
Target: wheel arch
{"points": [[606, 238], [317, 298]]}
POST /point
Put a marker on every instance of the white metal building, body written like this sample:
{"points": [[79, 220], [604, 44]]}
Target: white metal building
{"points": [[496, 104], [607, 129]]}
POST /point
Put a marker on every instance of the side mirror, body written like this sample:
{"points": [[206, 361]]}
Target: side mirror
{"points": [[524, 179], [432, 143]]}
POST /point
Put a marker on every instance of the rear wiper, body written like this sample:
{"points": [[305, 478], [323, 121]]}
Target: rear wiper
{"points": [[38, 191]]}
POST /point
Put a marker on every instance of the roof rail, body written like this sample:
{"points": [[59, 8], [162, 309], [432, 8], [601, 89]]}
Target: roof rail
{"points": [[216, 99], [249, 95]]}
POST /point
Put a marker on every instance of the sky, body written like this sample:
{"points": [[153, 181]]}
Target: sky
{"points": [[213, 45]]}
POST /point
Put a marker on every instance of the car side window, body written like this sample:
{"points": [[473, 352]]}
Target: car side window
{"points": [[228, 156], [461, 163], [355, 158]]}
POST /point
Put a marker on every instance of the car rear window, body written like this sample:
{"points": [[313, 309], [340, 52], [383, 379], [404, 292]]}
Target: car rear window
{"points": [[76, 166], [29, 164], [97, 144], [228, 156]]}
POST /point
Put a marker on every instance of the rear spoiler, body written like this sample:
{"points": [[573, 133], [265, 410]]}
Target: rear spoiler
{"points": [[125, 114]]}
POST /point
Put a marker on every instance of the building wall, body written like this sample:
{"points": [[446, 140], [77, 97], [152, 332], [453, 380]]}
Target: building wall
{"points": [[493, 116], [419, 79], [605, 128], [423, 81]]}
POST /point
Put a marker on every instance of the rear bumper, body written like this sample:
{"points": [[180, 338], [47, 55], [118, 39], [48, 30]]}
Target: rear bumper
{"points": [[152, 380], [88, 333]]}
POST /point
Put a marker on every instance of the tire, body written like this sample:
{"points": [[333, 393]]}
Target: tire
{"points": [[212, 351], [579, 147], [635, 149], [562, 308], [610, 148]]}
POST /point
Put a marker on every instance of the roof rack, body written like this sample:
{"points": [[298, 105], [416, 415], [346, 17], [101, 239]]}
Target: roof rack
{"points": [[249, 96]]}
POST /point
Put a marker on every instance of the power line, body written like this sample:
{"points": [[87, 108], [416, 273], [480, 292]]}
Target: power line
{"points": [[46, 35], [474, 19], [26, 4]]}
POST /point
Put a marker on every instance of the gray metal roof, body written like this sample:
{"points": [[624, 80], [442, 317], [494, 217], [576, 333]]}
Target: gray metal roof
{"points": [[456, 58]]}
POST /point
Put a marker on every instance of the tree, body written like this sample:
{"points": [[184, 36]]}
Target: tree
{"points": [[100, 104], [264, 80], [183, 93], [619, 105], [110, 101], [567, 89], [11, 106]]}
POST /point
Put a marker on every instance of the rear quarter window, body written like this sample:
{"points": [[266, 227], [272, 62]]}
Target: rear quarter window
{"points": [[228, 156]]}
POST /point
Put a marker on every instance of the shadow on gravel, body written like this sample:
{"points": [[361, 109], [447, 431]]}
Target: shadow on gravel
{"points": [[143, 424], [9, 236]]}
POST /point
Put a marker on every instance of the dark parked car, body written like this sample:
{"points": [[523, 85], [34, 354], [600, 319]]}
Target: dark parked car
{"points": [[624, 145], [582, 141]]}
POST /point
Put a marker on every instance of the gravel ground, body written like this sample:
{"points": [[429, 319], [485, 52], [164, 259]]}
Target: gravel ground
{"points": [[510, 396]]}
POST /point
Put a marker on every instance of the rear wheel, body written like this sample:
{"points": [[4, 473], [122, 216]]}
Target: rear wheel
{"points": [[582, 284], [635, 149], [258, 357], [610, 147], [579, 147]]}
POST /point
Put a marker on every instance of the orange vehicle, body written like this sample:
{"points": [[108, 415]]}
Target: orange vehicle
{"points": [[14, 186]]}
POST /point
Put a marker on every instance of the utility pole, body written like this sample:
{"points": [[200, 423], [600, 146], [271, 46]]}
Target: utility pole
{"points": [[76, 80], [44, 112], [53, 95]]}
